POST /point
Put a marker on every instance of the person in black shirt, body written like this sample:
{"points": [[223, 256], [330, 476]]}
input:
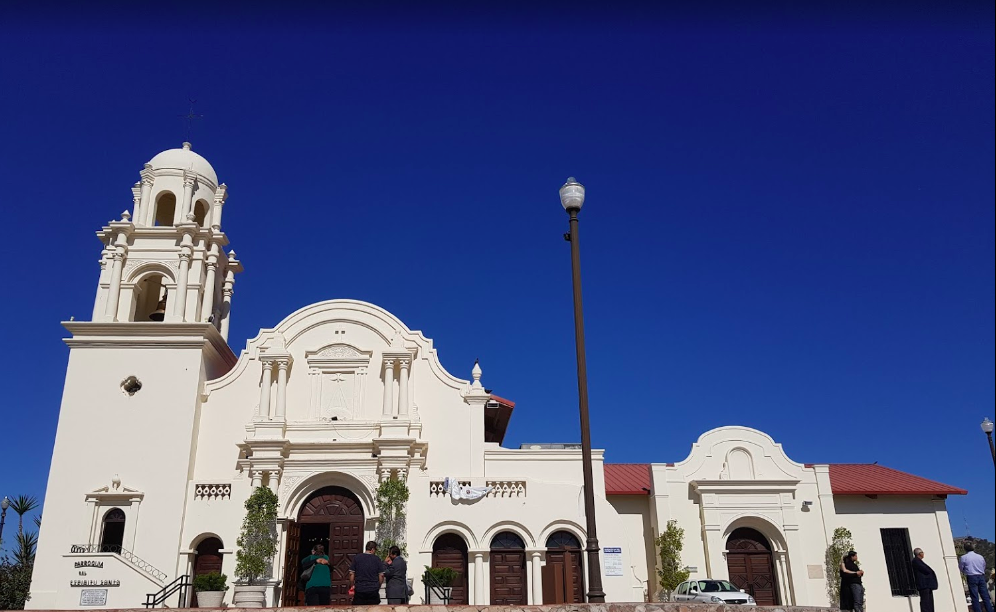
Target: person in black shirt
{"points": [[926, 581], [852, 592], [366, 574]]}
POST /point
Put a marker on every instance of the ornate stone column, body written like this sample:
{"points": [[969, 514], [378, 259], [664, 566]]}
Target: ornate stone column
{"points": [[282, 366], [257, 478], [536, 592], [146, 198], [273, 481], [264, 391], [479, 587], [188, 194], [120, 251], [388, 387], [220, 195], [403, 365], [136, 202], [207, 305]]}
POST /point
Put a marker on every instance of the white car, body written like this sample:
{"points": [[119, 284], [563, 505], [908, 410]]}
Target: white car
{"points": [[712, 591]]}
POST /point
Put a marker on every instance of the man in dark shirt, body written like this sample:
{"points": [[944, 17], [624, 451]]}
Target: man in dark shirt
{"points": [[366, 574], [926, 581], [850, 581]]}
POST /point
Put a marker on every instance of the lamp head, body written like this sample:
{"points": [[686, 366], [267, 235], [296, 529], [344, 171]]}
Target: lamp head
{"points": [[987, 425], [4, 503], [572, 194]]}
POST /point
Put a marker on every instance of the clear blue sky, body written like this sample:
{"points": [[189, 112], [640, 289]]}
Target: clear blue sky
{"points": [[789, 221]]}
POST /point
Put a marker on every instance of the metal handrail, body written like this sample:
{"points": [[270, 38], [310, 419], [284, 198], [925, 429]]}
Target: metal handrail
{"points": [[124, 553], [181, 584], [434, 586]]}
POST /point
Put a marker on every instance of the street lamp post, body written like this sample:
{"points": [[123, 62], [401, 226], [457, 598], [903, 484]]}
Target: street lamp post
{"points": [[987, 427], [572, 197], [4, 504]]}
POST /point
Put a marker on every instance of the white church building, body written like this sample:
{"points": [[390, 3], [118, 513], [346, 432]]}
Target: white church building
{"points": [[342, 394]]}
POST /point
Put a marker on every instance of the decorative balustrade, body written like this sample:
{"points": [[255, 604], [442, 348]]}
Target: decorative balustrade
{"points": [[212, 491], [507, 488], [499, 488], [123, 553]]}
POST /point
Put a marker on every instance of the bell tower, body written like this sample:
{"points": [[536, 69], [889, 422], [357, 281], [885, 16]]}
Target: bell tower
{"points": [[131, 404], [165, 261]]}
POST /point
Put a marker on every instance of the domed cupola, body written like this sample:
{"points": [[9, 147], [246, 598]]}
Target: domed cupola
{"points": [[176, 183]]}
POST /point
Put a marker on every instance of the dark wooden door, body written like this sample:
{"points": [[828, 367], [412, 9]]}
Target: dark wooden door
{"points": [[508, 570], [563, 552], [208, 560], [292, 563], [450, 550], [339, 510], [751, 565]]}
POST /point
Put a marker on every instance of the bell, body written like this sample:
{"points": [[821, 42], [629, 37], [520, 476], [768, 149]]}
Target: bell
{"points": [[160, 312]]}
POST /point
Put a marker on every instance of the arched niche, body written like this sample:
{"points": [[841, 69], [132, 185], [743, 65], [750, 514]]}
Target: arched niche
{"points": [[164, 212]]}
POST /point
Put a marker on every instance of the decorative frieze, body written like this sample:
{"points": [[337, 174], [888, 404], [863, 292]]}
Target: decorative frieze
{"points": [[507, 488]]}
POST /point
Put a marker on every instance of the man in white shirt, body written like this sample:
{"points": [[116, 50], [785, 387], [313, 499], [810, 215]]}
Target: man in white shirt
{"points": [[973, 565]]}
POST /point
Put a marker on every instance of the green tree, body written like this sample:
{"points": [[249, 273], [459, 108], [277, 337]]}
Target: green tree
{"points": [[839, 545], [670, 571], [392, 496], [22, 504], [258, 540]]}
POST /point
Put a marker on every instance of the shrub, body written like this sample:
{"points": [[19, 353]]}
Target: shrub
{"points": [[443, 576], [212, 581], [258, 540]]}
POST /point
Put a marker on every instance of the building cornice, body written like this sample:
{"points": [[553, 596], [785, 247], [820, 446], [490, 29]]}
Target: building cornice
{"points": [[104, 334]]}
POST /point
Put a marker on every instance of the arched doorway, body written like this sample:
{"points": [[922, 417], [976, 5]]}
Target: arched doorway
{"points": [[112, 532], [332, 517], [508, 570], [449, 550], [563, 577], [751, 565], [208, 560]]}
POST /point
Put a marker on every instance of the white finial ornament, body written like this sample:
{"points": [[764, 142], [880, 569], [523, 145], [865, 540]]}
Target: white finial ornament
{"points": [[125, 216], [186, 146], [476, 373], [191, 217], [116, 482], [231, 254]]}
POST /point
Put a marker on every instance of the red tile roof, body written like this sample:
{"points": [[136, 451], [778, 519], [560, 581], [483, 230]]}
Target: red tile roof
{"points": [[873, 479], [845, 479], [627, 478]]}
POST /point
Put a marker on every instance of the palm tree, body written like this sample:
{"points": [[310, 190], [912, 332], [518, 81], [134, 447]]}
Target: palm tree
{"points": [[22, 504], [25, 552]]}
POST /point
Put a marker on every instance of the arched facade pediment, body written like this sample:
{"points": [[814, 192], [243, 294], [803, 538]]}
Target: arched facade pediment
{"points": [[738, 454], [297, 489], [350, 325]]}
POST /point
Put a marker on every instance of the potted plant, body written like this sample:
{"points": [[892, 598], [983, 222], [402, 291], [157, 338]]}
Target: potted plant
{"points": [[440, 583], [257, 544], [210, 589]]}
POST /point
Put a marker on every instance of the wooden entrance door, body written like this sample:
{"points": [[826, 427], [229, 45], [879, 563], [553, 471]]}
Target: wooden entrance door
{"points": [[565, 577], [751, 566], [508, 570], [208, 560], [335, 511], [449, 550]]}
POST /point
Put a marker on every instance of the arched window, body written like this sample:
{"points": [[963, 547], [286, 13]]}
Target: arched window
{"points": [[507, 539], [165, 209], [563, 539], [150, 299], [201, 213], [112, 533]]}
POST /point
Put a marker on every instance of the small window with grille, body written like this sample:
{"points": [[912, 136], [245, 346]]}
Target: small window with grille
{"points": [[899, 561]]}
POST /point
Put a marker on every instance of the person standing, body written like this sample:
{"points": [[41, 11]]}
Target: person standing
{"points": [[973, 566], [926, 581], [396, 576], [318, 588], [850, 583], [366, 574]]}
